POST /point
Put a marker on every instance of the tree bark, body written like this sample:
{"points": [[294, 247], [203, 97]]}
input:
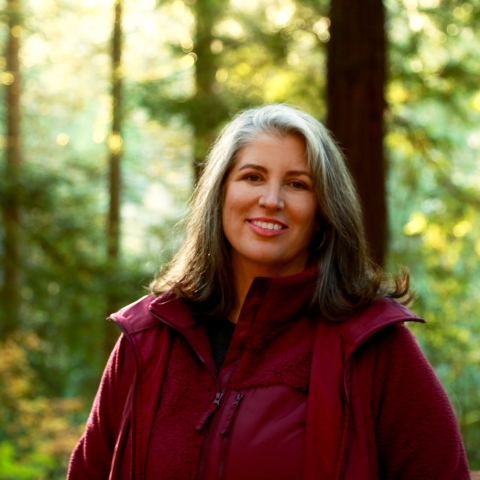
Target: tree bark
{"points": [[13, 158], [208, 110], [355, 96], [115, 145], [115, 140]]}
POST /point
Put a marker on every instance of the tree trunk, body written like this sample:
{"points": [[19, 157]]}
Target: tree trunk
{"points": [[13, 157], [115, 144], [355, 96], [208, 110]]}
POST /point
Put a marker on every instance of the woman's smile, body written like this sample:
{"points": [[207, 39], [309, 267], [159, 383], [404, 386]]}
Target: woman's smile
{"points": [[270, 206], [267, 226]]}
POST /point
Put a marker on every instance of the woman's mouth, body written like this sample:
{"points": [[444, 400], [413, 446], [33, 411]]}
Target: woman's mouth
{"points": [[267, 227]]}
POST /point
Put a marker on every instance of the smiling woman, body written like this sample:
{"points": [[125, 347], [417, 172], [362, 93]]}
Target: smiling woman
{"points": [[271, 347], [269, 211], [202, 272]]}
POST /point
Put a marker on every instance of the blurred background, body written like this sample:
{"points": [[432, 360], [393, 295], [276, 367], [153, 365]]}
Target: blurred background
{"points": [[108, 108]]}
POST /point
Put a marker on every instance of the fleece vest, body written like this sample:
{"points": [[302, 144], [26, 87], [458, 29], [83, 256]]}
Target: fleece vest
{"points": [[353, 382], [265, 305]]}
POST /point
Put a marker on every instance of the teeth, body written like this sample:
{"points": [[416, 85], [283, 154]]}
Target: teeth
{"points": [[268, 226]]}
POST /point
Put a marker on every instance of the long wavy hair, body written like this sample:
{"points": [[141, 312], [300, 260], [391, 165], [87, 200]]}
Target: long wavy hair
{"points": [[348, 279]]}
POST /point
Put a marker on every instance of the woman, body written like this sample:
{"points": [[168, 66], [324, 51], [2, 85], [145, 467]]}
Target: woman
{"points": [[271, 348]]}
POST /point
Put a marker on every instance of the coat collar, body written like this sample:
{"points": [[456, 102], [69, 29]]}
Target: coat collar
{"points": [[366, 322], [280, 299]]}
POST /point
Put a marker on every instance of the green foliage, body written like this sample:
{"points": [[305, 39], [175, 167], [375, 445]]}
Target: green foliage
{"points": [[30, 468], [433, 184], [37, 433], [258, 56], [257, 52]]}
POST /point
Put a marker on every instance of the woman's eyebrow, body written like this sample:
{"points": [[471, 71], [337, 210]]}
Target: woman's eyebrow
{"points": [[253, 165], [264, 170], [300, 172]]}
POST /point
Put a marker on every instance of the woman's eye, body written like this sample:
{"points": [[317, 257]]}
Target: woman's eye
{"points": [[297, 185], [253, 177]]}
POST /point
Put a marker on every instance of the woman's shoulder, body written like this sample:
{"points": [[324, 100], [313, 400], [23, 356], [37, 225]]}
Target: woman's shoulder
{"points": [[136, 316], [153, 311], [413, 415], [376, 317]]}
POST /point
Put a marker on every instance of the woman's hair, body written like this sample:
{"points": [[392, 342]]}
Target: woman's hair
{"points": [[348, 279]]}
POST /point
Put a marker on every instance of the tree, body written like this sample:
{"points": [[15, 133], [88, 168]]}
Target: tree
{"points": [[207, 111], [115, 148], [355, 96], [13, 158], [434, 199]]}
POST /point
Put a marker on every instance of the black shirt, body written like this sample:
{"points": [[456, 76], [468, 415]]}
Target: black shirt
{"points": [[220, 332]]}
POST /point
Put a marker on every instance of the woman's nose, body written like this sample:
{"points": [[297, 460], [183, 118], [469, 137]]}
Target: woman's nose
{"points": [[272, 199]]}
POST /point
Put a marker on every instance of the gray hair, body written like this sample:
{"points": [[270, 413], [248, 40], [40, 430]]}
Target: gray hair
{"points": [[348, 278]]}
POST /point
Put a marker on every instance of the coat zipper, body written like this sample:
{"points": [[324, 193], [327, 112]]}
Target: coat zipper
{"points": [[235, 404], [209, 412], [208, 415], [225, 433], [211, 426], [212, 408]]}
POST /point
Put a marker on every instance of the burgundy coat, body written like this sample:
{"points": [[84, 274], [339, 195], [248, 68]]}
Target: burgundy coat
{"points": [[297, 397]]}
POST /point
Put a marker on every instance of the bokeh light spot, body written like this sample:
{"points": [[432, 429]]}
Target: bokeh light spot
{"points": [[62, 139]]}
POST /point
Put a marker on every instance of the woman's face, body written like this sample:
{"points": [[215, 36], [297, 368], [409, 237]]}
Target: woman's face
{"points": [[270, 205]]}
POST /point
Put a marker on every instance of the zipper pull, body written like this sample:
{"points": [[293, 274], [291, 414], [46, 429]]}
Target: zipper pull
{"points": [[208, 412], [233, 409]]}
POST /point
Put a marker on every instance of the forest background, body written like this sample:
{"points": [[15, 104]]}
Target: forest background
{"points": [[109, 109]]}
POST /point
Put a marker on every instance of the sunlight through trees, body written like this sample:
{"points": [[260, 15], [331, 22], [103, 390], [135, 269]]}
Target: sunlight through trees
{"points": [[101, 146]]}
